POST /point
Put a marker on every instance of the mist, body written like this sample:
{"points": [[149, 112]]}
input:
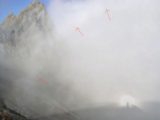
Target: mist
{"points": [[64, 69], [115, 57]]}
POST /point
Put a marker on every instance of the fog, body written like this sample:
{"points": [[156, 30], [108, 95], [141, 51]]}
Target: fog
{"points": [[62, 70], [113, 57]]}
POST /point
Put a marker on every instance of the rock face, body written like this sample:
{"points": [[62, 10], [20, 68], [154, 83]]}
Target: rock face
{"points": [[18, 37], [29, 61], [33, 17]]}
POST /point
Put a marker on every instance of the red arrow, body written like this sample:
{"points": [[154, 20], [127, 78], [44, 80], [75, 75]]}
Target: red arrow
{"points": [[44, 81], [108, 14], [77, 29]]}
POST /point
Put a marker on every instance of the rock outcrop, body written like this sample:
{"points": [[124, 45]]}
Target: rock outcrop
{"points": [[17, 35]]}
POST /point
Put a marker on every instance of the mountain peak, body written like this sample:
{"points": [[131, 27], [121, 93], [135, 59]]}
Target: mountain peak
{"points": [[34, 17], [35, 1]]}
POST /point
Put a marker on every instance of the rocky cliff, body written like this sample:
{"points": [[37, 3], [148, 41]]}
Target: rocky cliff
{"points": [[19, 35], [14, 30]]}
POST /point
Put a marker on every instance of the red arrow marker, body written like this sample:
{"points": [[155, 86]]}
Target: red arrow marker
{"points": [[77, 29], [44, 81], [108, 14]]}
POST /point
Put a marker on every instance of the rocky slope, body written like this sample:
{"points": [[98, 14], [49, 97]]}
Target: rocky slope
{"points": [[18, 34], [15, 28], [29, 60]]}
